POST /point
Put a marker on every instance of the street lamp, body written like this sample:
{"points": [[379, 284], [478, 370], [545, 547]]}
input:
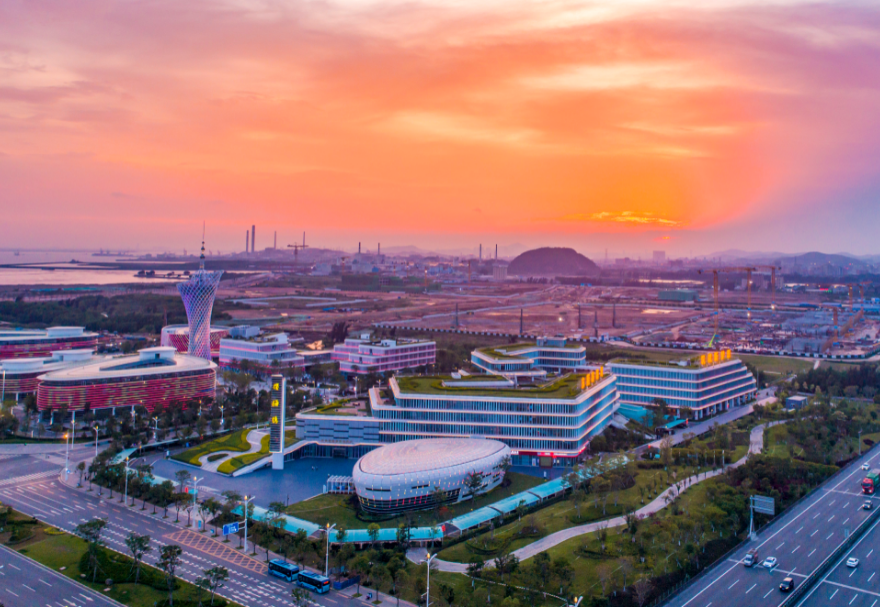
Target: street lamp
{"points": [[221, 416], [428, 593], [196, 482], [66, 456], [327, 560], [96, 440], [126, 477], [246, 500], [156, 433]]}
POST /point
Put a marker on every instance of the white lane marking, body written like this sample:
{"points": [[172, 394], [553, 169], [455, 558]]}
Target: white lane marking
{"points": [[768, 594], [750, 589], [731, 586], [830, 536], [811, 552], [833, 593], [872, 575], [844, 522], [855, 596], [831, 519], [45, 582], [796, 549], [869, 553], [799, 530], [780, 545], [814, 533]]}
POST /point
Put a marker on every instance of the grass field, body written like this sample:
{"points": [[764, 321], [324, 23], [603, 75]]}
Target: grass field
{"points": [[336, 509], [57, 551], [233, 464], [235, 441], [777, 365]]}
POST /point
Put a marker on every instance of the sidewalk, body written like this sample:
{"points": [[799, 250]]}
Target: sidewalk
{"points": [[72, 480], [756, 445]]}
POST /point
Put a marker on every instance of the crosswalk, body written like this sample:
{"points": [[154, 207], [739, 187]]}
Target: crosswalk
{"points": [[29, 478]]}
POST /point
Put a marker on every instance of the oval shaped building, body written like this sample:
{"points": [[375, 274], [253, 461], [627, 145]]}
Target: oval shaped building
{"points": [[403, 476]]}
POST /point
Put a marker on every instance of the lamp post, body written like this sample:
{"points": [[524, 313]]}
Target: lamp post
{"points": [[156, 433], [66, 456], [196, 482], [327, 558], [127, 462], [3, 397], [247, 499], [96, 440], [428, 593], [221, 416]]}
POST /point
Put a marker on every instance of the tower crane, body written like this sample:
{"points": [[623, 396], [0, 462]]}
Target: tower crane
{"points": [[772, 283], [297, 248], [715, 271]]}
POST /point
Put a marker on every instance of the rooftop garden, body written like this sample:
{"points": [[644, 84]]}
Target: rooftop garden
{"points": [[567, 386]]}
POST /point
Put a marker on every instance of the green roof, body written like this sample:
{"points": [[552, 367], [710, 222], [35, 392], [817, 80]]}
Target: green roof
{"points": [[495, 351], [564, 387]]}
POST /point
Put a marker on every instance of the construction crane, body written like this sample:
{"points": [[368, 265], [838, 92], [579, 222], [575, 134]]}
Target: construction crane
{"points": [[297, 248], [342, 268], [715, 272], [772, 283], [862, 286]]}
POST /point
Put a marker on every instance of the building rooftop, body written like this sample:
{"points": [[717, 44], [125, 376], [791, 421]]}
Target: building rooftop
{"points": [[149, 361], [566, 387], [13, 335], [422, 455]]}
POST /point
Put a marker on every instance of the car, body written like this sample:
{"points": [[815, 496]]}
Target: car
{"points": [[751, 558], [866, 467], [852, 562], [787, 585], [868, 505], [770, 562]]}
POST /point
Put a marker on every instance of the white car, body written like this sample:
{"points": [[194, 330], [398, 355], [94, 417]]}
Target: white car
{"points": [[770, 562], [866, 467], [852, 562]]}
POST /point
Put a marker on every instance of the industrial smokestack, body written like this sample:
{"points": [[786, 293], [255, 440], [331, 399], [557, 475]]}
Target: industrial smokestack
{"points": [[481, 253], [496, 252], [359, 248], [379, 249], [275, 246], [253, 239], [247, 241]]}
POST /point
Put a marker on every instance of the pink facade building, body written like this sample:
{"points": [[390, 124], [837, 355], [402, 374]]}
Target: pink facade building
{"points": [[363, 355]]}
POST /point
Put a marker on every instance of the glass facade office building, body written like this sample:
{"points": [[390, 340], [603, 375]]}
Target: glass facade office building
{"points": [[704, 390], [531, 360], [541, 427]]}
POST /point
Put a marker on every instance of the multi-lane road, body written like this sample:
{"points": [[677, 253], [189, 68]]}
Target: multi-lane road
{"points": [[30, 484], [801, 540]]}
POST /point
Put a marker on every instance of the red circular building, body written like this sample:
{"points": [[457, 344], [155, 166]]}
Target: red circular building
{"points": [[27, 343], [177, 336], [151, 377]]}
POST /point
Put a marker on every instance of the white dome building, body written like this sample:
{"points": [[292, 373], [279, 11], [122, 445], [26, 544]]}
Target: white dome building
{"points": [[403, 476]]}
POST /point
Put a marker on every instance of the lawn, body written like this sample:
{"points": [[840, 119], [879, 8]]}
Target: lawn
{"points": [[57, 551], [233, 464], [565, 387], [336, 508], [774, 365], [235, 441]]}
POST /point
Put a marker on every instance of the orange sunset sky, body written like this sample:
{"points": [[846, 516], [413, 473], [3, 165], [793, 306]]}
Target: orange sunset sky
{"points": [[632, 125]]}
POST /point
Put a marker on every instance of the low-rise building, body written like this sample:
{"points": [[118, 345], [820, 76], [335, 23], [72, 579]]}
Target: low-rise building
{"points": [[545, 426], [695, 388], [798, 401], [261, 355], [531, 360], [152, 377], [364, 355], [25, 343], [20, 374]]}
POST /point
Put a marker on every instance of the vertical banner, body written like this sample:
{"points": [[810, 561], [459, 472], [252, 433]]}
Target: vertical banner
{"points": [[277, 398]]}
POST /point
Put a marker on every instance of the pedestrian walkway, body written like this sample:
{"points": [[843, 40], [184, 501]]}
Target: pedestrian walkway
{"points": [[756, 445]]}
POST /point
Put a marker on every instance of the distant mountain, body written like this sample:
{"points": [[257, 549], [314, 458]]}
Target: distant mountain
{"points": [[740, 254], [551, 261], [815, 257]]}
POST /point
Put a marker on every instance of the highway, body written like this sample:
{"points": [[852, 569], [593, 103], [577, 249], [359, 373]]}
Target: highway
{"points": [[801, 540], [25, 583], [30, 484]]}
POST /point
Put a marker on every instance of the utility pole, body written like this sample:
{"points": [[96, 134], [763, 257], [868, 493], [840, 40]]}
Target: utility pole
{"points": [[520, 321]]}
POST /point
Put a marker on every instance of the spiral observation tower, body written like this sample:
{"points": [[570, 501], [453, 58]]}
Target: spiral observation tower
{"points": [[198, 299]]}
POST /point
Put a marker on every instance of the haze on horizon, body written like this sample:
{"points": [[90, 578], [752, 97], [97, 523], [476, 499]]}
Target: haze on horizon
{"points": [[631, 126]]}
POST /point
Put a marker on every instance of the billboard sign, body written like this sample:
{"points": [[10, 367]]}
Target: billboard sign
{"points": [[764, 505], [230, 528], [277, 401]]}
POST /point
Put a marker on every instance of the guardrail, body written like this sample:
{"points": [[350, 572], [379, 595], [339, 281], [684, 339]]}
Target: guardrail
{"points": [[828, 563], [688, 582]]}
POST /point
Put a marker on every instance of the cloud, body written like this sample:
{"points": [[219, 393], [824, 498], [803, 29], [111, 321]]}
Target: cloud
{"points": [[630, 218]]}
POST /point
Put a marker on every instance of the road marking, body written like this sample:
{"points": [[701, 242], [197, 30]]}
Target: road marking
{"points": [[832, 502], [844, 522], [853, 588], [752, 588], [818, 514], [811, 552], [832, 594], [10, 592], [729, 587], [869, 553], [768, 594], [814, 533], [28, 587], [796, 549], [830, 536], [853, 572], [780, 545], [872, 575], [855, 596], [47, 583], [831, 519], [799, 530]]}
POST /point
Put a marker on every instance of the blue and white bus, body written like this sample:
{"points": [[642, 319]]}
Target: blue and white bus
{"points": [[313, 581], [284, 570]]}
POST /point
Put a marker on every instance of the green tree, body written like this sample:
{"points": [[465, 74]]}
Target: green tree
{"points": [[91, 532], [169, 561], [215, 578], [138, 545], [373, 531]]}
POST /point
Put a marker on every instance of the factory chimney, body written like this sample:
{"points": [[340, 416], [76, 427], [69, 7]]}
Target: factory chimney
{"points": [[379, 249], [496, 252], [481, 253], [247, 241], [359, 248], [275, 246], [253, 239]]}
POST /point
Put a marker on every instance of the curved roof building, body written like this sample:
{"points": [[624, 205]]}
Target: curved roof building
{"points": [[404, 476], [198, 299], [26, 343], [20, 374], [153, 376]]}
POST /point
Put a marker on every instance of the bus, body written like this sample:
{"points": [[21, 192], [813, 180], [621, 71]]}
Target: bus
{"points": [[284, 570], [313, 581]]}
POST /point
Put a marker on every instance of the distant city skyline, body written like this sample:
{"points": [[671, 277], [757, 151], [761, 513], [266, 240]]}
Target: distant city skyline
{"points": [[631, 126]]}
